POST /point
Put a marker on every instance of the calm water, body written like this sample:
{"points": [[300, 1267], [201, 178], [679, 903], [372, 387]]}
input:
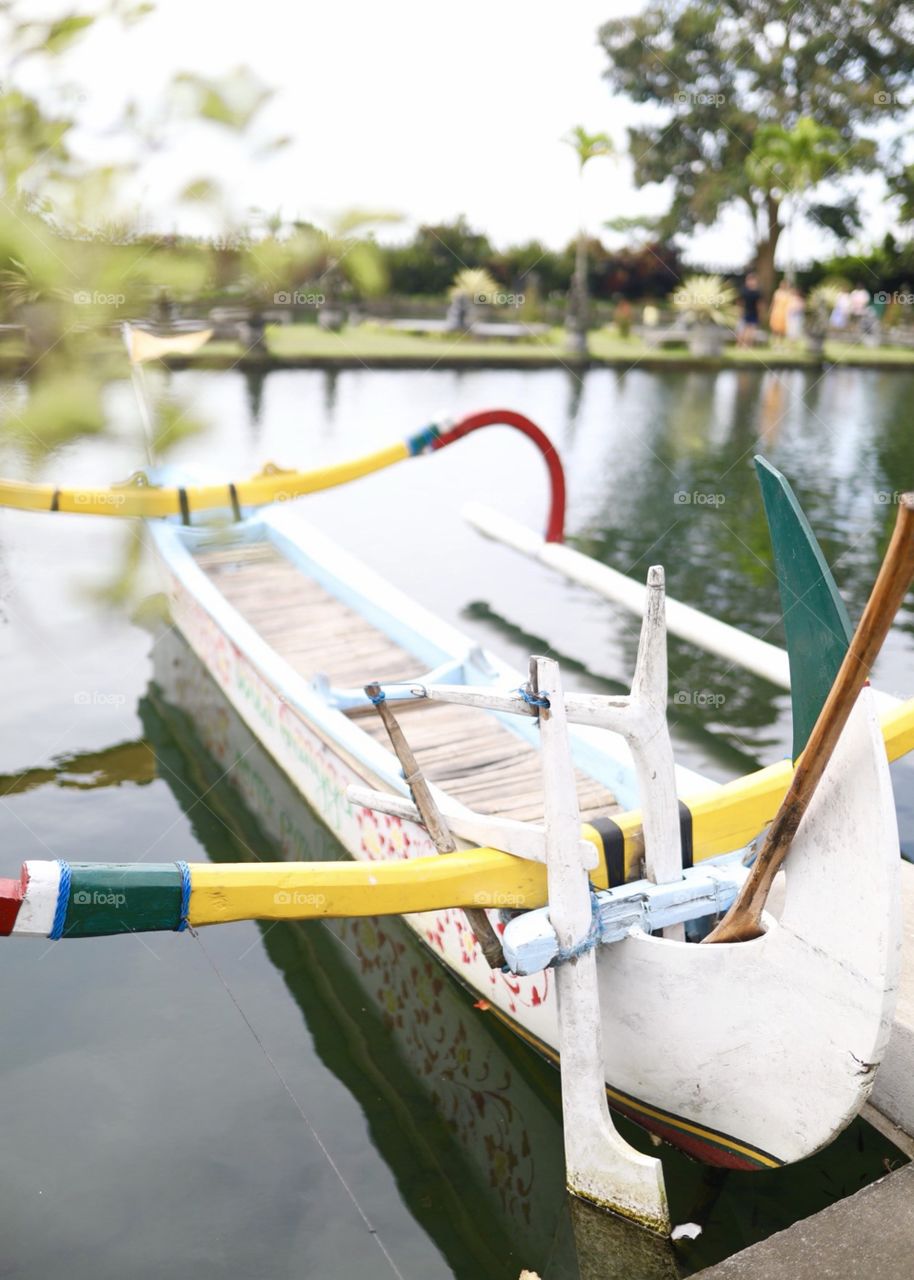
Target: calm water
{"points": [[323, 1100]]}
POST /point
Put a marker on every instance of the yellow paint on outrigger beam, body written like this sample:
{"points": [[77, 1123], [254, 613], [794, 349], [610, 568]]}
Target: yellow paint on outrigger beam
{"points": [[151, 502], [722, 820], [314, 890], [118, 898], [296, 891], [729, 817]]}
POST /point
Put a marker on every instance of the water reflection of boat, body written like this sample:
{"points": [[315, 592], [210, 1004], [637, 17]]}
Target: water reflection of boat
{"points": [[466, 1116], [446, 1099]]}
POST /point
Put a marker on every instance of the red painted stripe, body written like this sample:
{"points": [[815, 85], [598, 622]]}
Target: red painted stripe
{"points": [[11, 894], [698, 1148]]}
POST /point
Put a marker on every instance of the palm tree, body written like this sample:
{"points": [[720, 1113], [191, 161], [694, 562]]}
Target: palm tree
{"points": [[790, 163], [587, 147]]}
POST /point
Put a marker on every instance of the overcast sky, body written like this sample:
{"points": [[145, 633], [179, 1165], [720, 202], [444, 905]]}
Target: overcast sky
{"points": [[424, 110]]}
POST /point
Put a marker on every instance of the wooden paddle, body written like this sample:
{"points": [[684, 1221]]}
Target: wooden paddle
{"points": [[743, 920], [433, 819]]}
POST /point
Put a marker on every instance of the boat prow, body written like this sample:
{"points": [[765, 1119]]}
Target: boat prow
{"points": [[770, 1047]]}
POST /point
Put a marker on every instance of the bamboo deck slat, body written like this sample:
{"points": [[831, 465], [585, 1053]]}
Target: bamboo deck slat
{"points": [[466, 752]]}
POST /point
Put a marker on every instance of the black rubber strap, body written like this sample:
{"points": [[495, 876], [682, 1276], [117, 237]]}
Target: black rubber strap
{"points": [[236, 507], [55, 500], [613, 849], [685, 831], [185, 506], [614, 844]]}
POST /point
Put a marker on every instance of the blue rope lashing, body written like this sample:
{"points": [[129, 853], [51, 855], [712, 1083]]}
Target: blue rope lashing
{"points": [[533, 699], [185, 897], [377, 698], [63, 900], [590, 939], [423, 439]]}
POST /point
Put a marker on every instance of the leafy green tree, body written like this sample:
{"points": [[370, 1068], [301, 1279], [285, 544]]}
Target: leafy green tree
{"points": [[790, 163], [307, 266], [74, 262], [901, 185], [531, 266], [726, 68], [429, 262], [587, 147]]}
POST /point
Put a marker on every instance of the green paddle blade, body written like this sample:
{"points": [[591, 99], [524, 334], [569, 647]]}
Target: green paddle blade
{"points": [[815, 619]]}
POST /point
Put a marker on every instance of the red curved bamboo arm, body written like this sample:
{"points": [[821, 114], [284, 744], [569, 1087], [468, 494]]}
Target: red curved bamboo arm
{"points": [[555, 528]]}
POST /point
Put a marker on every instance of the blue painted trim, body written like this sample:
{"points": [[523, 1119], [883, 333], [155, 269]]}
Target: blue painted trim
{"points": [[422, 440], [421, 632], [346, 699], [708, 890], [63, 900], [429, 649], [589, 941], [185, 896]]}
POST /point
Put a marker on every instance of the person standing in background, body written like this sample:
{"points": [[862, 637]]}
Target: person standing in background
{"points": [[859, 304], [780, 306], [750, 298], [796, 312], [841, 310]]}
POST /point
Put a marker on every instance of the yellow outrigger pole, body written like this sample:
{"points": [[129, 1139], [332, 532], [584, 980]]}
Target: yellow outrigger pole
{"points": [[728, 817], [722, 820], [140, 497]]}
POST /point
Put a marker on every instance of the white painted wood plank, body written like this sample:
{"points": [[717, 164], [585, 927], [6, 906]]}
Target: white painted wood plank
{"points": [[521, 839], [700, 629], [39, 906]]}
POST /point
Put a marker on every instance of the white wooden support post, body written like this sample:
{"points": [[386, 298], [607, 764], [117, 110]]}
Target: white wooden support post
{"points": [[652, 748], [641, 719], [599, 1165]]}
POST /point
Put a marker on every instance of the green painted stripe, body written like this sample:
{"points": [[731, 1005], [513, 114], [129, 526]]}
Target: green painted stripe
{"points": [[130, 897]]}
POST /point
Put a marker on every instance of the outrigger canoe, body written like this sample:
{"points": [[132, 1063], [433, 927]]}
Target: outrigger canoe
{"points": [[293, 629], [290, 627]]}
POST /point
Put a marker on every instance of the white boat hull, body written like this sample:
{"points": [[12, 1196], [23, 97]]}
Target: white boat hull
{"points": [[747, 1055]]}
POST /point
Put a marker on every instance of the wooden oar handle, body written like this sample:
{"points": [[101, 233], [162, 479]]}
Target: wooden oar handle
{"points": [[434, 821], [743, 921], [889, 590]]}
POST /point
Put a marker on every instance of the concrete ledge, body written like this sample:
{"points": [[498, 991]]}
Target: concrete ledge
{"points": [[868, 1236]]}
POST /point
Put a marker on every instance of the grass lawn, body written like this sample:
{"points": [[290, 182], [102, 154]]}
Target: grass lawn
{"points": [[373, 345]]}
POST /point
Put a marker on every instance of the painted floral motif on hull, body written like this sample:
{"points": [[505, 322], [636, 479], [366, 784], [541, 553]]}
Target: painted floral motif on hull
{"points": [[470, 1086]]}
